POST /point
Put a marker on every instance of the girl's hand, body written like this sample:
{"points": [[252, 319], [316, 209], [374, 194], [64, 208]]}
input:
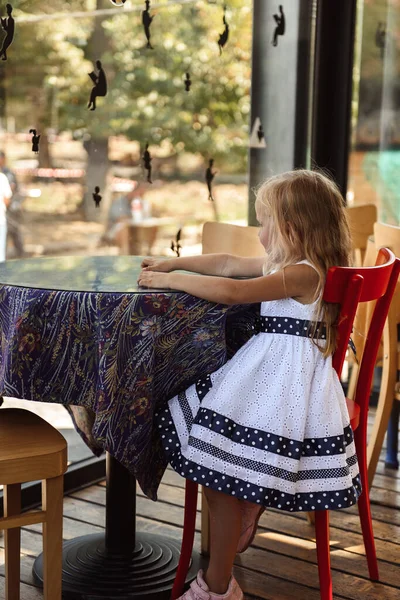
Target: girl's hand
{"points": [[152, 279], [157, 264]]}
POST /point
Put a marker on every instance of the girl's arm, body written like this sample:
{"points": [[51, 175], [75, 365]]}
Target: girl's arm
{"points": [[224, 265], [296, 281]]}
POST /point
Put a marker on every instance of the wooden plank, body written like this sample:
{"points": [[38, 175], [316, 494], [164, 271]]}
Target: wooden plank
{"points": [[347, 586], [27, 592], [292, 536]]}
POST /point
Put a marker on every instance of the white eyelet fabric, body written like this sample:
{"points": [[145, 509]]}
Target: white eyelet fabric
{"points": [[271, 426]]}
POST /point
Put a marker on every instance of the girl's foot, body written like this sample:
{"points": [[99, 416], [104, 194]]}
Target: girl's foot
{"points": [[199, 590], [251, 514]]}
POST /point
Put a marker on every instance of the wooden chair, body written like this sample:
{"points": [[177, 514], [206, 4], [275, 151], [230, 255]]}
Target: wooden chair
{"points": [[361, 221], [241, 241], [231, 239], [31, 449], [346, 287], [387, 412]]}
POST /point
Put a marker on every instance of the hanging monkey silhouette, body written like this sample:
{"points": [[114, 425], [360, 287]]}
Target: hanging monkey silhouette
{"points": [[96, 196], [209, 178], [100, 85], [147, 162], [147, 20], [188, 82], [35, 141], [223, 38], [280, 25], [175, 246], [8, 25]]}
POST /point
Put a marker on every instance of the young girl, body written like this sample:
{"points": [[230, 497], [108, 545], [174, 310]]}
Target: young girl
{"points": [[270, 427]]}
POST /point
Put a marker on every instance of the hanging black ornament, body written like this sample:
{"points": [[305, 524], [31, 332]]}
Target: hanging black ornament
{"points": [[175, 246], [100, 85], [209, 178], [280, 25], [96, 196], [260, 133], [147, 162], [8, 25], [223, 38], [35, 141], [147, 20], [188, 82], [380, 38]]}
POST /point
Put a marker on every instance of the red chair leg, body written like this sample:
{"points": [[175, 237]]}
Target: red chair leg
{"points": [[364, 507], [189, 525], [323, 554]]}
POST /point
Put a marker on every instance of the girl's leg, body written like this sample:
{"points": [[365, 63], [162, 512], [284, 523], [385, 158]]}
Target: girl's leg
{"points": [[225, 527]]}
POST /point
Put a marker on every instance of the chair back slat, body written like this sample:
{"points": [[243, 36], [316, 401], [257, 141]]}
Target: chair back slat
{"points": [[361, 219], [346, 319], [348, 286], [231, 239], [371, 347], [376, 279]]}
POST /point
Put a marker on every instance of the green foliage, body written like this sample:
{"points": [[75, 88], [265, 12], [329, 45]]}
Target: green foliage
{"points": [[146, 100]]}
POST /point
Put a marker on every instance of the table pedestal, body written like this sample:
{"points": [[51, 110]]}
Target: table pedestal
{"points": [[119, 565]]}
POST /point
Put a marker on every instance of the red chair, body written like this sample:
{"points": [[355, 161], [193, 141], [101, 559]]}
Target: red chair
{"points": [[346, 286]]}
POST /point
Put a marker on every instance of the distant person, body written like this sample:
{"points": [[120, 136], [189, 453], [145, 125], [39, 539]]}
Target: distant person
{"points": [[121, 210], [5, 197], [14, 211]]}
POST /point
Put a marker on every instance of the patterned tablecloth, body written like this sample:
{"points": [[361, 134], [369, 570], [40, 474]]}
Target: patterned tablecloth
{"points": [[79, 332]]}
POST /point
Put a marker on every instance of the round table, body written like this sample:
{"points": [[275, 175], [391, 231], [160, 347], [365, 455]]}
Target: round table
{"points": [[79, 331]]}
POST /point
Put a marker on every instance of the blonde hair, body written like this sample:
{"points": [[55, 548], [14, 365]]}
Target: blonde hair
{"points": [[310, 223]]}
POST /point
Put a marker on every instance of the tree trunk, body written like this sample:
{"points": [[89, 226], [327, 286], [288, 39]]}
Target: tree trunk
{"points": [[97, 148], [96, 175]]}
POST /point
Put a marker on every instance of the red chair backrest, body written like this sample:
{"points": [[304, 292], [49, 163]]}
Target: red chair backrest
{"points": [[348, 286], [371, 347]]}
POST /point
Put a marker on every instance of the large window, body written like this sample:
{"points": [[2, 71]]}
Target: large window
{"points": [[375, 160]]}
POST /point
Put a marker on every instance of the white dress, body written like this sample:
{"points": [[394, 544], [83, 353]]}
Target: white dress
{"points": [[271, 426]]}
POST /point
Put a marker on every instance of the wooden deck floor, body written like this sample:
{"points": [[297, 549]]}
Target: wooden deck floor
{"points": [[281, 564]]}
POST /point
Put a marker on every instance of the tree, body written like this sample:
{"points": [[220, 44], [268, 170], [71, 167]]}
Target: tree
{"points": [[147, 100]]}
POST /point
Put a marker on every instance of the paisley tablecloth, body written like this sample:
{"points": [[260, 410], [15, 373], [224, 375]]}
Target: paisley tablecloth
{"points": [[79, 332]]}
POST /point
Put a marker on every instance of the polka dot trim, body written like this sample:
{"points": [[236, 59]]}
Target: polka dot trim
{"points": [[263, 440], [268, 497], [290, 326]]}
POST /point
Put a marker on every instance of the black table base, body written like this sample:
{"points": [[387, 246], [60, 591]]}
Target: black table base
{"points": [[92, 572], [120, 564]]}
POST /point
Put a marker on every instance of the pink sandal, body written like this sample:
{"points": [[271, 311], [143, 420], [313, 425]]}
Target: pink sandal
{"points": [[251, 514], [199, 590]]}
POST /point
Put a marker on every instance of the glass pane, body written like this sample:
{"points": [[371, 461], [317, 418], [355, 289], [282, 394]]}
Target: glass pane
{"points": [[375, 159], [75, 157]]}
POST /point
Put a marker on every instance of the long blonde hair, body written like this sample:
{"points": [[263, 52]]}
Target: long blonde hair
{"points": [[313, 206]]}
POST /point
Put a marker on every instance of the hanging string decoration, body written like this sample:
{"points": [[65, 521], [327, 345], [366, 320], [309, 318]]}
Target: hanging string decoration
{"points": [[260, 133], [35, 141], [209, 178], [176, 246], [8, 25], [188, 82], [257, 136], [96, 196], [280, 25], [380, 38], [223, 38], [100, 85], [147, 162], [147, 20]]}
